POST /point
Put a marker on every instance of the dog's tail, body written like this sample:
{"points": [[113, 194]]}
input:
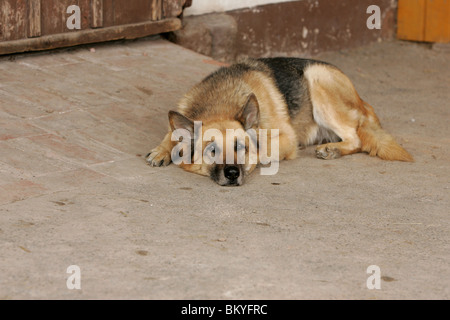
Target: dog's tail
{"points": [[376, 141]]}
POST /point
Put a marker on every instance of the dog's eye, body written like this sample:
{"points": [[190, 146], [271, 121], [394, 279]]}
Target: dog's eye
{"points": [[212, 150], [239, 146]]}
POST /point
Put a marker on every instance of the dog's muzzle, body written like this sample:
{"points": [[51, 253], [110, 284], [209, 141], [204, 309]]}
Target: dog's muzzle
{"points": [[231, 173], [228, 175]]}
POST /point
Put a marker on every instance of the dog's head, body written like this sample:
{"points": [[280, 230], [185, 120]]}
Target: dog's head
{"points": [[223, 147]]}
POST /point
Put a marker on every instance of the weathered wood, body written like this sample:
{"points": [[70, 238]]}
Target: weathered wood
{"points": [[130, 31], [411, 19], [156, 10], [13, 17], [108, 13], [97, 14], [437, 21], [424, 20], [28, 25], [126, 11], [34, 18], [172, 8], [54, 15]]}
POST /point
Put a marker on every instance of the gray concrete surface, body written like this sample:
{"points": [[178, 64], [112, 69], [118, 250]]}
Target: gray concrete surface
{"points": [[75, 189]]}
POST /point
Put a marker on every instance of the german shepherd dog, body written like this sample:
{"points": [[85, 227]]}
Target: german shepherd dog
{"points": [[307, 101]]}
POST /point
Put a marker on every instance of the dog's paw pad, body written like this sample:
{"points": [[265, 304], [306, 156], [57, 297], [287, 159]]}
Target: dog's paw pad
{"points": [[158, 158], [327, 152]]}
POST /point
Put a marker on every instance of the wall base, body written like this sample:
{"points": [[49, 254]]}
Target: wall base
{"points": [[299, 28]]}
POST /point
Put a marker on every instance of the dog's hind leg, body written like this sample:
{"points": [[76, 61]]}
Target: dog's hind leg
{"points": [[341, 126], [335, 150], [336, 110]]}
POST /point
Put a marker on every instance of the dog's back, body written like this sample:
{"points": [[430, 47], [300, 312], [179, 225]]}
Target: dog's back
{"points": [[225, 86]]}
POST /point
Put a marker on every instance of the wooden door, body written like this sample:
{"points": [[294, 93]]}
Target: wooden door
{"points": [[27, 25], [424, 20]]}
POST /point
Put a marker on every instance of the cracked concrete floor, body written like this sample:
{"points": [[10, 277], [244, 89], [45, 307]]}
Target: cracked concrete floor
{"points": [[75, 189]]}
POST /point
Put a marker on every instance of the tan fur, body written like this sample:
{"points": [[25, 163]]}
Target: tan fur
{"points": [[331, 114], [273, 113], [377, 142], [337, 107], [222, 126]]}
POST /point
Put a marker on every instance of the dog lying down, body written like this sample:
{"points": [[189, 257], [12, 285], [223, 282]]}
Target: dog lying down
{"points": [[260, 111]]}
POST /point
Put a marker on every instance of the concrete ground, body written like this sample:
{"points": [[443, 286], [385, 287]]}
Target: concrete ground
{"points": [[75, 189]]}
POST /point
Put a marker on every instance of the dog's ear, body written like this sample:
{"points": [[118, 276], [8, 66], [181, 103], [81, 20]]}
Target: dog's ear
{"points": [[178, 121], [249, 114]]}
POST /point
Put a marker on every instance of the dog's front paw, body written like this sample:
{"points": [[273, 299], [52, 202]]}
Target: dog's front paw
{"points": [[327, 152], [158, 157]]}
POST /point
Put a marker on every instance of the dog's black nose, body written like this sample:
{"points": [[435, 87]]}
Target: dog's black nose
{"points": [[231, 172]]}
